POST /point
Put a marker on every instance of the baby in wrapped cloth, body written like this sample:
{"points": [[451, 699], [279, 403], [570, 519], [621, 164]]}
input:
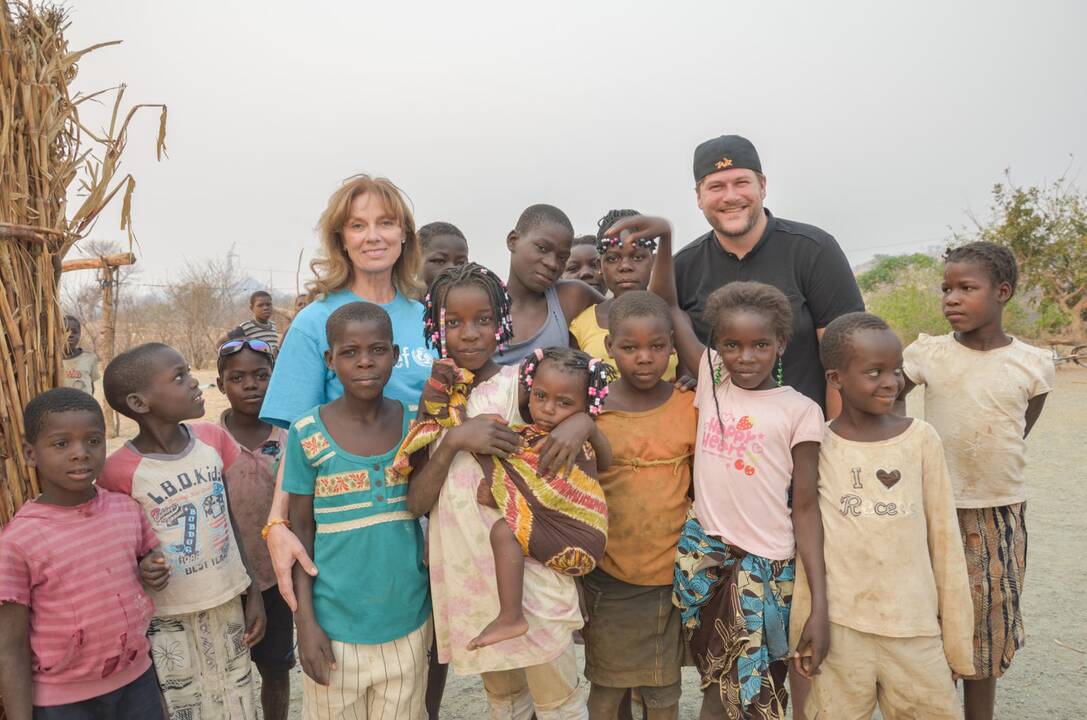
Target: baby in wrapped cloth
{"points": [[558, 519]]}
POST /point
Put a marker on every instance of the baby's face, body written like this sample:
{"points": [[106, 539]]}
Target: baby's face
{"points": [[555, 395]]}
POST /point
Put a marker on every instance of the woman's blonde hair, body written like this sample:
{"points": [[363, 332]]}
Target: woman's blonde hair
{"points": [[332, 269]]}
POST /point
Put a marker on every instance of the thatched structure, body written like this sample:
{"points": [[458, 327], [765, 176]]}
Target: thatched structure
{"points": [[44, 148]]}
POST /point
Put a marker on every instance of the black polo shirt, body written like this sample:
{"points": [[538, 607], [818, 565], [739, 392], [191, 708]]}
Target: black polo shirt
{"points": [[800, 260]]}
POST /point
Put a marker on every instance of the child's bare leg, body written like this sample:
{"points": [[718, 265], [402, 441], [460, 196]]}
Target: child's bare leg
{"points": [[275, 692], [712, 707], [604, 702], [509, 571], [665, 713], [799, 687], [979, 697]]}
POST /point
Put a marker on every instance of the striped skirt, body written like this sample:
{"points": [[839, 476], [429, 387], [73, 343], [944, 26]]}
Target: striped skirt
{"points": [[996, 561]]}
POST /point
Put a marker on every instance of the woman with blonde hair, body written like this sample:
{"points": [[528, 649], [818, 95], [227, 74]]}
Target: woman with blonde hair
{"points": [[369, 251]]}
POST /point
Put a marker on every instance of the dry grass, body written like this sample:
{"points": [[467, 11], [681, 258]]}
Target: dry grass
{"points": [[44, 148]]}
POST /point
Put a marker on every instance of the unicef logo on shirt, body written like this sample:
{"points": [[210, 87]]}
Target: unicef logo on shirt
{"points": [[422, 357]]}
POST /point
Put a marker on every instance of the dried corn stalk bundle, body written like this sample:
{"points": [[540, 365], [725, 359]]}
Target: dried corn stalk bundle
{"points": [[44, 148]]}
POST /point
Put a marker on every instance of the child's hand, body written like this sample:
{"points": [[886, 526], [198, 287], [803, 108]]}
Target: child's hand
{"points": [[154, 572], [640, 226], [486, 435], [812, 647], [255, 620], [564, 443], [484, 496], [315, 651], [685, 383]]}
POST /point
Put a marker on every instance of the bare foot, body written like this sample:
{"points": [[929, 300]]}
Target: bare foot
{"points": [[500, 629]]}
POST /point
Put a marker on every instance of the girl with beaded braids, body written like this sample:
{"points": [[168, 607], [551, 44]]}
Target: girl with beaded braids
{"points": [[625, 264], [558, 521], [757, 445], [471, 416]]}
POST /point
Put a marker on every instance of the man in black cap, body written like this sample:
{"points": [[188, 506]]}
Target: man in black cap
{"points": [[748, 243]]}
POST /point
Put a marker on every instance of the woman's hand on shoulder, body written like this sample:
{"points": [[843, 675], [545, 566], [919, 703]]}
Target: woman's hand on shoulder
{"points": [[486, 435]]}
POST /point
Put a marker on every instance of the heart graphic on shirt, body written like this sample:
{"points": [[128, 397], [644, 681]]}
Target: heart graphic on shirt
{"points": [[889, 479]]}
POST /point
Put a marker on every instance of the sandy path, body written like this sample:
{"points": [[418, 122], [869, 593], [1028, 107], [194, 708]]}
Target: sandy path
{"points": [[1045, 679]]}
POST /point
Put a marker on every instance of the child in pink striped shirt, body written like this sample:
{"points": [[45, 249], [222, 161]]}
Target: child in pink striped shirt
{"points": [[69, 650]]}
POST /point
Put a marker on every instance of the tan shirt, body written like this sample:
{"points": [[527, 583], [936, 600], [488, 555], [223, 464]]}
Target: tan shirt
{"points": [[977, 401], [894, 557]]}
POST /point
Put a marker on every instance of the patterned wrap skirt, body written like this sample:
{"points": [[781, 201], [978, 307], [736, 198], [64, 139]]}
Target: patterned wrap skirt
{"points": [[735, 609], [995, 540]]}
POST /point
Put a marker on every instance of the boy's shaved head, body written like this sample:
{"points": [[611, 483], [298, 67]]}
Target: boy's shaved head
{"points": [[536, 215], [130, 372], [836, 347], [637, 303], [357, 312], [54, 401]]}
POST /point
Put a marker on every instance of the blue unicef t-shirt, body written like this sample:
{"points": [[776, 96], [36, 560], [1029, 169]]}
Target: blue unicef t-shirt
{"points": [[301, 381]]}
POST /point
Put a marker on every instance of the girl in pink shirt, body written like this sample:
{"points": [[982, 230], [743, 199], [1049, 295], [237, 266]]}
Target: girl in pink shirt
{"points": [[756, 498]]}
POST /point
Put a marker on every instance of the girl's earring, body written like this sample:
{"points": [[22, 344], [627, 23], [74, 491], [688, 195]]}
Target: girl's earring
{"points": [[717, 374], [780, 374]]}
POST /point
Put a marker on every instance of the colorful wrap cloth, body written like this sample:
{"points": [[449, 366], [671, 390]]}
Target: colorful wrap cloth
{"points": [[735, 608], [562, 523]]}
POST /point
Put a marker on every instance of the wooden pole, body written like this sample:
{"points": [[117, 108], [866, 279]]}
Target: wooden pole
{"points": [[107, 266], [97, 263], [107, 278]]}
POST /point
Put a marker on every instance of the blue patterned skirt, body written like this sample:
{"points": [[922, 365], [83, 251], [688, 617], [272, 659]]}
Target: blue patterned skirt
{"points": [[735, 610]]}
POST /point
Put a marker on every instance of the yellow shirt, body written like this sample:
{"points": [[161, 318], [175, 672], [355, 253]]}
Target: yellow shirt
{"points": [[590, 338], [894, 557]]}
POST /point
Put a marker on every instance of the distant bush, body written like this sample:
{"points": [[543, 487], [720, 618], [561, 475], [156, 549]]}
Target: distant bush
{"points": [[905, 291]]}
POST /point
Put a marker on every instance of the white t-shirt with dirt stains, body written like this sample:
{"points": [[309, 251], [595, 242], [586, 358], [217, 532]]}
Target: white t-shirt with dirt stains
{"points": [[977, 401], [81, 371]]}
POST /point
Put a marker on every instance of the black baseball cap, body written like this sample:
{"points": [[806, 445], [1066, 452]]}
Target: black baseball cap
{"points": [[725, 153]]}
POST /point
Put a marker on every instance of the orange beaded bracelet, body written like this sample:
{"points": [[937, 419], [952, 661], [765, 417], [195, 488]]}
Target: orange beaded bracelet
{"points": [[272, 523]]}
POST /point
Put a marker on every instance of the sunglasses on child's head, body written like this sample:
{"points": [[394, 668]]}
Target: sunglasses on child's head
{"points": [[233, 346]]}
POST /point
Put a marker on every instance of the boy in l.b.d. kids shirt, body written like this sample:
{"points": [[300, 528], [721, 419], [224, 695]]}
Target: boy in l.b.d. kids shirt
{"points": [[200, 636]]}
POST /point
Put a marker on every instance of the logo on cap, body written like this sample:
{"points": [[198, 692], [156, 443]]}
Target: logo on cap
{"points": [[723, 163]]}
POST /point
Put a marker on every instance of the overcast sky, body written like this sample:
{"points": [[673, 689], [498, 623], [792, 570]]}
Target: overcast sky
{"points": [[880, 123]]}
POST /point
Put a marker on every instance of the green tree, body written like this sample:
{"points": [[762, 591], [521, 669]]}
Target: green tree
{"points": [[888, 268], [1046, 229], [904, 290]]}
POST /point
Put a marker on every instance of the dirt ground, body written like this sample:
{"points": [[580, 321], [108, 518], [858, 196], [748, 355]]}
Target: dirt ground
{"points": [[1045, 679]]}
